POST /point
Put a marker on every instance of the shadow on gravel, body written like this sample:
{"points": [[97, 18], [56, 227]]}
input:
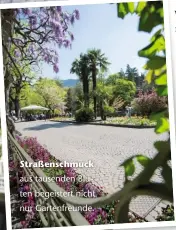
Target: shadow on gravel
{"points": [[56, 125]]}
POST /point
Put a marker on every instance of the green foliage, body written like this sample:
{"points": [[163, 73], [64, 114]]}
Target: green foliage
{"points": [[80, 67], [87, 67], [143, 160], [111, 79], [103, 92], [131, 73], [51, 94], [29, 96], [108, 110], [129, 165], [167, 214], [151, 16], [69, 100], [124, 89], [77, 97], [45, 92], [84, 115]]}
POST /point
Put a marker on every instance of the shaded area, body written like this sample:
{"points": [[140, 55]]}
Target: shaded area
{"points": [[51, 125], [2, 213]]}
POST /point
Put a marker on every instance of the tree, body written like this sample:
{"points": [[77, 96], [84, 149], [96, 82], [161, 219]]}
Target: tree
{"points": [[124, 89], [122, 74], [103, 94], [97, 61], [58, 82], [34, 29], [52, 95], [81, 69], [111, 79], [77, 97], [131, 73], [69, 100], [19, 81], [29, 96]]}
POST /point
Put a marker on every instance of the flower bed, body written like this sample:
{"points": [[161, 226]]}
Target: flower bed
{"points": [[63, 119], [134, 121], [138, 121], [103, 215]]}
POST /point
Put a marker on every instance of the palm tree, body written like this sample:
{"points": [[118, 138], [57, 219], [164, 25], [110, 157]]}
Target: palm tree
{"points": [[80, 68], [97, 61], [131, 73]]}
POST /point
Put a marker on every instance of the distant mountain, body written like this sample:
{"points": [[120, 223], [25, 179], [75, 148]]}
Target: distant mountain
{"points": [[69, 82]]}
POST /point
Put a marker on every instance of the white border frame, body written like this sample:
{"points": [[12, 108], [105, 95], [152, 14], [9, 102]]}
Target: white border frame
{"points": [[171, 113]]}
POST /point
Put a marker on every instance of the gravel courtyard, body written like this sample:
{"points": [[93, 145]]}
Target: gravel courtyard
{"points": [[107, 147]]}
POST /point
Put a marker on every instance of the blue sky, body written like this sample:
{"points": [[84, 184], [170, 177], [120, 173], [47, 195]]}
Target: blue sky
{"points": [[99, 27]]}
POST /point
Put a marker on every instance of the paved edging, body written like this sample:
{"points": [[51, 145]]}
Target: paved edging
{"points": [[113, 125]]}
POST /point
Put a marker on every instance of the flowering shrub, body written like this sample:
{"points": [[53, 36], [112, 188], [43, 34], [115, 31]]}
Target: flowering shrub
{"points": [[36, 151], [97, 215], [43, 25], [150, 102]]}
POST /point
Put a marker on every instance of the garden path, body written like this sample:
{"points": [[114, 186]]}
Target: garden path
{"points": [[107, 147]]}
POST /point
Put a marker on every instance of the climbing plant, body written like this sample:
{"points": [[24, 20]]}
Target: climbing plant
{"points": [[151, 18]]}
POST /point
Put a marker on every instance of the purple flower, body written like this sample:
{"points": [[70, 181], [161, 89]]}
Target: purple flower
{"points": [[72, 20], [33, 20], [46, 58], [31, 48], [66, 43], [16, 53], [21, 189], [26, 11], [72, 37], [59, 9], [77, 15], [56, 59], [55, 68], [66, 17]]}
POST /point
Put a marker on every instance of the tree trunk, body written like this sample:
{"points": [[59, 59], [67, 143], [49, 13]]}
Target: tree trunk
{"points": [[86, 95], [86, 91], [8, 84], [10, 106], [94, 80], [17, 107], [101, 110], [7, 29]]}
